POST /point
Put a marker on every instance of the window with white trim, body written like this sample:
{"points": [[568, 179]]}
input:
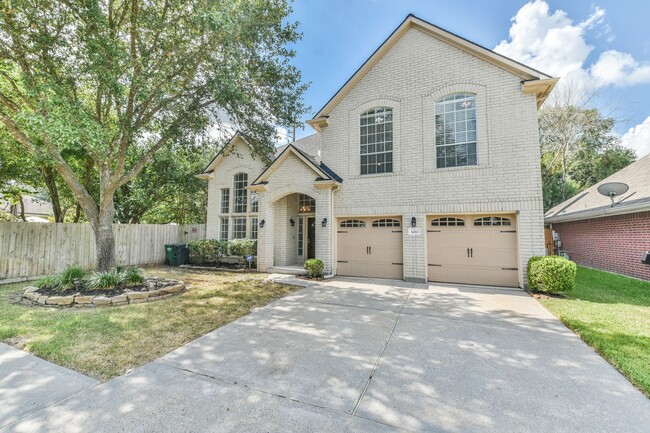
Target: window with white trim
{"points": [[254, 228], [255, 202], [223, 229], [352, 223], [301, 235], [386, 222], [492, 221], [240, 182], [447, 222], [225, 200], [455, 121], [376, 138], [306, 204], [239, 228]]}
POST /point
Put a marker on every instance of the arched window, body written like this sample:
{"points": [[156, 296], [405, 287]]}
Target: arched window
{"points": [[240, 198], [492, 221], [352, 223], [376, 138], [447, 222], [456, 130], [386, 222]]}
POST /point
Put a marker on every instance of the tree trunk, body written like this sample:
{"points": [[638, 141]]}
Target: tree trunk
{"points": [[22, 208], [50, 182], [105, 239], [77, 213]]}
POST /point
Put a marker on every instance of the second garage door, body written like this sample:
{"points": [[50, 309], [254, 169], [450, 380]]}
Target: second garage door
{"points": [[370, 247], [472, 249]]}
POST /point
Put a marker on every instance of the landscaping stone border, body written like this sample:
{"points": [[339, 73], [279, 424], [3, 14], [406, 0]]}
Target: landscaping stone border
{"points": [[128, 297]]}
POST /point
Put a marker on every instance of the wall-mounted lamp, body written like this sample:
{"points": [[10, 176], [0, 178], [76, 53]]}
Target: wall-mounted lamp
{"points": [[293, 223], [413, 222], [324, 222], [261, 223]]}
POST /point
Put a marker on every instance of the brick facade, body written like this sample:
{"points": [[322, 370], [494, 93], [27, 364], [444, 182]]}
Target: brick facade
{"points": [[409, 78], [613, 244]]}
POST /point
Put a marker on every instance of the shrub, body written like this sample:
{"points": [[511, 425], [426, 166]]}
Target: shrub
{"points": [[242, 247], [105, 280], [314, 268], [70, 274], [551, 274], [132, 276], [53, 282], [206, 250]]}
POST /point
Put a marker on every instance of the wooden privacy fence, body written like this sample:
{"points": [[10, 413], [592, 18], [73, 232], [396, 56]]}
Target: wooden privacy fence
{"points": [[34, 249]]}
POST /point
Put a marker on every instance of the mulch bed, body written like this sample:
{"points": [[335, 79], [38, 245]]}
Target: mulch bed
{"points": [[148, 285], [306, 277], [541, 295]]}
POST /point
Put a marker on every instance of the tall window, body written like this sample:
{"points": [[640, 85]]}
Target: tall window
{"points": [[223, 229], [456, 130], [239, 228], [255, 202], [301, 236], [240, 193], [253, 228], [376, 137], [225, 200]]}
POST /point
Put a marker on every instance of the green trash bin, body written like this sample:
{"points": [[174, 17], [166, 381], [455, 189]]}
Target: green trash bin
{"points": [[169, 254], [181, 254]]}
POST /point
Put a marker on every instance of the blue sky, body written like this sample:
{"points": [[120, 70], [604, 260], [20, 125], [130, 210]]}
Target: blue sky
{"points": [[602, 45]]}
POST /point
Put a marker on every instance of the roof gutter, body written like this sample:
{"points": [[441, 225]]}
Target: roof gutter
{"points": [[540, 88], [600, 213]]}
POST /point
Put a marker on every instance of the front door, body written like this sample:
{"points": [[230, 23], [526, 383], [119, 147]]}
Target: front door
{"points": [[311, 238]]}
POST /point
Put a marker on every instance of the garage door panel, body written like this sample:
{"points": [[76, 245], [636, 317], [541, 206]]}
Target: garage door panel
{"points": [[368, 251], [469, 254]]}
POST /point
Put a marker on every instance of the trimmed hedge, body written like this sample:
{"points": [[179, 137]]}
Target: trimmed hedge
{"points": [[551, 274], [210, 250], [314, 268]]}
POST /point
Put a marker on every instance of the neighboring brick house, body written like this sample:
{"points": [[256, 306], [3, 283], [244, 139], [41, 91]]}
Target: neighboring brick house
{"points": [[613, 238], [425, 166]]}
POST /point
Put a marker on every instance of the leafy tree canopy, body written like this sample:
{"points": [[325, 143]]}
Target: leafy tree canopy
{"points": [[117, 81]]}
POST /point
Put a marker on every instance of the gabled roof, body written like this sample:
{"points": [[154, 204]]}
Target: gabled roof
{"points": [[322, 171], [543, 82], [591, 204], [309, 145], [238, 137]]}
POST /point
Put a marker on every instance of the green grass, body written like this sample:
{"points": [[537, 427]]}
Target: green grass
{"points": [[611, 313], [106, 342]]}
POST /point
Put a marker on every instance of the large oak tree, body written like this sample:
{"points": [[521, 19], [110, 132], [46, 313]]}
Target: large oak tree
{"points": [[119, 80]]}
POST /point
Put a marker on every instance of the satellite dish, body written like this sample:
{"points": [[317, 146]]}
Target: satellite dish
{"points": [[613, 189]]}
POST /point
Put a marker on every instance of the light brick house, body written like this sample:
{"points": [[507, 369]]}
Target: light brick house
{"points": [[424, 166], [613, 238]]}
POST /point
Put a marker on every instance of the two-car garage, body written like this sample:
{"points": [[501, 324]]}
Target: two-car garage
{"points": [[466, 249]]}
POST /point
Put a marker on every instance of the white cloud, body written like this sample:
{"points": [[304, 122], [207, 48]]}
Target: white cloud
{"points": [[547, 41], [553, 43], [638, 138], [617, 68]]}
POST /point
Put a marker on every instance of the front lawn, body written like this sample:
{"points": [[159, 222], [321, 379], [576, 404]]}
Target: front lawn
{"points": [[107, 341], [611, 313]]}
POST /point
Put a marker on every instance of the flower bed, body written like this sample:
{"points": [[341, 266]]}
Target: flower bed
{"points": [[153, 289]]}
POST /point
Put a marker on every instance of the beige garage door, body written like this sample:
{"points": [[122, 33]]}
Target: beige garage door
{"points": [[472, 249], [370, 247]]}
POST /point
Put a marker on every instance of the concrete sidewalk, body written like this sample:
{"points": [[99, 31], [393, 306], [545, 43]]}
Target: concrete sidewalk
{"points": [[29, 384], [369, 356]]}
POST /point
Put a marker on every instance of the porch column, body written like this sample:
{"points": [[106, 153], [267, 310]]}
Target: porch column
{"points": [[324, 235], [265, 235]]}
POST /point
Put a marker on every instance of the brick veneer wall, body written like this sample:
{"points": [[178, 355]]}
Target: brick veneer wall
{"points": [[613, 243]]}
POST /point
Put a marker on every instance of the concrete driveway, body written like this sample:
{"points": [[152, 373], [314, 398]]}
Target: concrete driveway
{"points": [[355, 355]]}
